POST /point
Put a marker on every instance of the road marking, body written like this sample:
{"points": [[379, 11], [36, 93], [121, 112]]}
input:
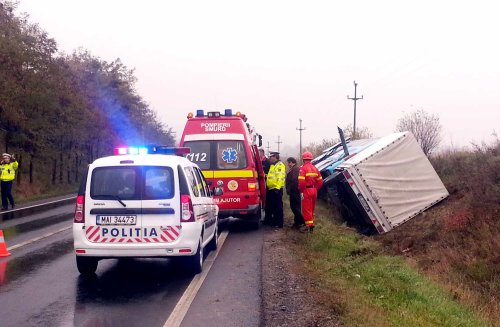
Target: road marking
{"points": [[180, 310], [37, 238], [39, 205]]}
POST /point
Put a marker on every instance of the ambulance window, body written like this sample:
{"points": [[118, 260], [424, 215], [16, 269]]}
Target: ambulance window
{"points": [[202, 185], [109, 182], [158, 183], [192, 181], [200, 153], [231, 155]]}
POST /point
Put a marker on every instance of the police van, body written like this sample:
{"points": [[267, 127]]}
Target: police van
{"points": [[144, 202], [224, 146]]}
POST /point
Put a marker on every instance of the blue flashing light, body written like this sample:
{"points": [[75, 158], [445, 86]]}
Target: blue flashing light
{"points": [[228, 112], [143, 150], [200, 113]]}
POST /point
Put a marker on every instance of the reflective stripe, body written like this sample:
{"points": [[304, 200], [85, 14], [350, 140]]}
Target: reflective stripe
{"points": [[309, 222], [302, 177], [311, 174], [227, 173]]}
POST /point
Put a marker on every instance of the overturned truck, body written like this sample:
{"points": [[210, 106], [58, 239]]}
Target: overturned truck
{"points": [[385, 185]]}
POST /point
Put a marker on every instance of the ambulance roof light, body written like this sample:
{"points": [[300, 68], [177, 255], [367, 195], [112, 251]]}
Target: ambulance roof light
{"points": [[228, 112], [213, 114], [200, 113]]}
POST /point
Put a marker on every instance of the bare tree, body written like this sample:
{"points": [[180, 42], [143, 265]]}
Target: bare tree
{"points": [[424, 126], [361, 133]]}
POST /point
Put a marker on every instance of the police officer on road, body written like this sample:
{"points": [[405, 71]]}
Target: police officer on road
{"points": [[8, 167]]}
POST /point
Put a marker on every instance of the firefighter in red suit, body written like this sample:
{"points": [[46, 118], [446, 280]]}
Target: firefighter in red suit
{"points": [[310, 181]]}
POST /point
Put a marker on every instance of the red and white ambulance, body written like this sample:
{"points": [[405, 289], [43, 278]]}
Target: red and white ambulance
{"points": [[224, 146]]}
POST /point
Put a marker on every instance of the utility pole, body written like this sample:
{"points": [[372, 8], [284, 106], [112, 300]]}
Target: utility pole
{"points": [[279, 142], [300, 129], [268, 147], [354, 99]]}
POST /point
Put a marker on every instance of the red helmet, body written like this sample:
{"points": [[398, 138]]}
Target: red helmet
{"points": [[307, 155]]}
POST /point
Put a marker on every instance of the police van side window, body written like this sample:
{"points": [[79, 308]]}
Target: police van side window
{"points": [[205, 184], [110, 182], [192, 181], [158, 183], [201, 182]]}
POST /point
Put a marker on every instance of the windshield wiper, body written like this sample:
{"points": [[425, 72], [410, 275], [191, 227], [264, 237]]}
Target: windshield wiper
{"points": [[116, 197]]}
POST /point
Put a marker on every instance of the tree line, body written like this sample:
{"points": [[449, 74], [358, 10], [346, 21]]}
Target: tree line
{"points": [[59, 112]]}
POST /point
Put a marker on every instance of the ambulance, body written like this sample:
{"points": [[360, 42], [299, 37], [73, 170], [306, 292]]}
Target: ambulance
{"points": [[225, 147]]}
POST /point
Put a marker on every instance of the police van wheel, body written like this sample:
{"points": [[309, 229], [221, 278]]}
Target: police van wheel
{"points": [[195, 262], [86, 265], [214, 242]]}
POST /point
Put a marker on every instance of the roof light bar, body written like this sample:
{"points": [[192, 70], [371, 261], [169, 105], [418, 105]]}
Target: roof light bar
{"points": [[213, 114], [134, 150], [228, 112], [200, 113]]}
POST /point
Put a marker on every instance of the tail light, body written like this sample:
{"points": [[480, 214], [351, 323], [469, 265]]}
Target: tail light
{"points": [[79, 209], [252, 186], [187, 213]]}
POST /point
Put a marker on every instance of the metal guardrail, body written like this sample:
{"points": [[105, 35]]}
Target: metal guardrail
{"points": [[30, 209]]}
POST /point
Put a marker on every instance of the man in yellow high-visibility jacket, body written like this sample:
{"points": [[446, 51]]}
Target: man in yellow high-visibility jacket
{"points": [[275, 183], [8, 167]]}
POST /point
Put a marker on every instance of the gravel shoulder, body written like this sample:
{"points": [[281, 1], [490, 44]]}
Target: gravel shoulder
{"points": [[288, 296]]}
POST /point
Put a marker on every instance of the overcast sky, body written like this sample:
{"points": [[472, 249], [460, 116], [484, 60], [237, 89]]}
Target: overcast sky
{"points": [[278, 61]]}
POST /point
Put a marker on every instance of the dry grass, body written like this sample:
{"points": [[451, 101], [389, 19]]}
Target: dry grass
{"points": [[457, 243]]}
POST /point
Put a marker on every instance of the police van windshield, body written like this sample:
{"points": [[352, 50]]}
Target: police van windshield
{"points": [[218, 155], [132, 183]]}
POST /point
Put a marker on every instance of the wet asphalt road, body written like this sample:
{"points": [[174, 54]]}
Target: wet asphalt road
{"points": [[40, 285]]}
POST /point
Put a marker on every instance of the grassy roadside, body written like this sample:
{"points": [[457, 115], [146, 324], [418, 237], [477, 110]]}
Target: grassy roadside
{"points": [[353, 276]]}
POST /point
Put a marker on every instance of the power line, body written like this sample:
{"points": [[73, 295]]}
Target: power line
{"points": [[268, 146], [354, 99], [300, 129], [279, 142]]}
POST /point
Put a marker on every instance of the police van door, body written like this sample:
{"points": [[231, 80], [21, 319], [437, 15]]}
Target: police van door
{"points": [[114, 208], [160, 205]]}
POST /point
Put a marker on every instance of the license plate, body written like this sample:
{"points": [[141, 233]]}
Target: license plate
{"points": [[116, 220]]}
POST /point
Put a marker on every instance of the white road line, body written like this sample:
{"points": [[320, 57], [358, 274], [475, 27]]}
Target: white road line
{"points": [[180, 310], [38, 205], [37, 238]]}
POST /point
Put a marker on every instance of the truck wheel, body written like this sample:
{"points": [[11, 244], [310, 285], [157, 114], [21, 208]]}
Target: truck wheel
{"points": [[214, 242], [194, 263], [86, 265]]}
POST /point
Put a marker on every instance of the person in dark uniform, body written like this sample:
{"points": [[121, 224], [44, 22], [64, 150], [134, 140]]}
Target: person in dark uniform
{"points": [[292, 189]]}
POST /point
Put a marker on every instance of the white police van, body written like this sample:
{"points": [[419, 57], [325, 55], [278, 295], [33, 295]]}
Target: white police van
{"points": [[144, 202]]}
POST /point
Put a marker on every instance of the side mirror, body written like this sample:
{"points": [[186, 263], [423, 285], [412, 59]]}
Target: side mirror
{"points": [[260, 140], [218, 191]]}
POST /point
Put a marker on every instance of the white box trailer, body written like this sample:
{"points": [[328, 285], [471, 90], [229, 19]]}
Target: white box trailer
{"points": [[389, 182]]}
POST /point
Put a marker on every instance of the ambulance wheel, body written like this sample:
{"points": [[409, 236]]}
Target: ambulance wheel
{"points": [[214, 242], [255, 222], [194, 263], [86, 265]]}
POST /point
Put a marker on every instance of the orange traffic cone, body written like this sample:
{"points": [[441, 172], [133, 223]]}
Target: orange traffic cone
{"points": [[3, 246]]}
